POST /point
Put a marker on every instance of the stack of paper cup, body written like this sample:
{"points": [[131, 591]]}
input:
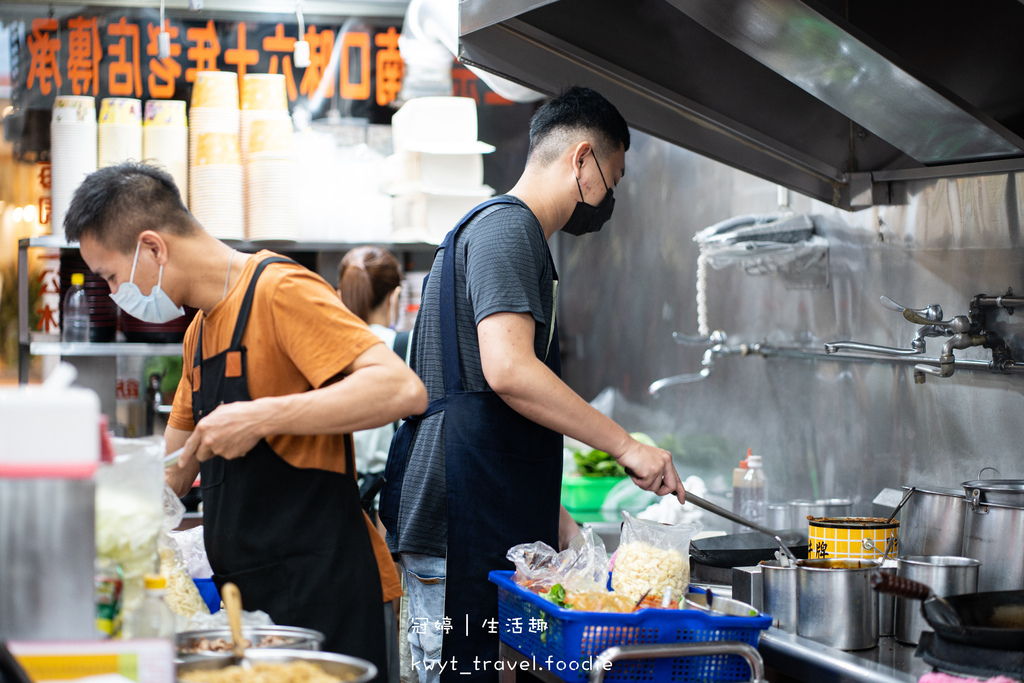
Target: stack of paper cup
{"points": [[120, 130], [215, 167], [165, 140], [72, 152], [266, 149], [270, 182]]}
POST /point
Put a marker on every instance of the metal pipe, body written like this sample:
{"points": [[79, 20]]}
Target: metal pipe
{"points": [[768, 350], [832, 347], [1000, 301]]}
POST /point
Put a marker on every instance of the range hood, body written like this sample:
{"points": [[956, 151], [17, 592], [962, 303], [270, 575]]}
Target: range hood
{"points": [[839, 100]]}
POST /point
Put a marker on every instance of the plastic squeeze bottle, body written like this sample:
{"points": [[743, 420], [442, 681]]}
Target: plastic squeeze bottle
{"points": [[74, 318], [749, 497], [153, 618]]}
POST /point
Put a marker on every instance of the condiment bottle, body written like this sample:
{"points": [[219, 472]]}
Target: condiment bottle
{"points": [[153, 618], [749, 491]]}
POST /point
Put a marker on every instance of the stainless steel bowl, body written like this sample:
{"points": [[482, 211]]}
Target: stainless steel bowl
{"points": [[348, 669], [734, 608], [289, 637]]}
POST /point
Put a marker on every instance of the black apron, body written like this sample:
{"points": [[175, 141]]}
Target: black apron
{"points": [[503, 477], [293, 540]]}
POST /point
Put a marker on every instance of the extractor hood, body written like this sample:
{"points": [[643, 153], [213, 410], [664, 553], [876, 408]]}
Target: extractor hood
{"points": [[837, 99]]}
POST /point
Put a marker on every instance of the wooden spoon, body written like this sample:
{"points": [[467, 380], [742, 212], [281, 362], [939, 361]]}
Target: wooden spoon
{"points": [[233, 605]]}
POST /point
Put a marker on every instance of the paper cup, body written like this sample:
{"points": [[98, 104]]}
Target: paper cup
{"points": [[170, 113], [73, 108], [121, 110], [264, 92], [215, 89]]}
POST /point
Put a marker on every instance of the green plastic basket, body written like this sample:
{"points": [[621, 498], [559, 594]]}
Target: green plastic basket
{"points": [[586, 494]]}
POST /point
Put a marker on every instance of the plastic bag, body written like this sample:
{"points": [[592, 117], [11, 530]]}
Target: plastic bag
{"points": [[129, 516], [583, 566], [193, 552], [653, 558], [202, 622]]}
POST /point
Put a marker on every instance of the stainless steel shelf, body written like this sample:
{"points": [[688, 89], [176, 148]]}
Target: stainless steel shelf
{"points": [[282, 246], [55, 348]]}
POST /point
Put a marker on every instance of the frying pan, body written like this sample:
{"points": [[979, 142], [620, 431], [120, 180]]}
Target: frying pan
{"points": [[993, 620], [744, 550]]}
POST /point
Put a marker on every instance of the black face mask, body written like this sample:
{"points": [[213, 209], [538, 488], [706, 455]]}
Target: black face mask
{"points": [[586, 218]]}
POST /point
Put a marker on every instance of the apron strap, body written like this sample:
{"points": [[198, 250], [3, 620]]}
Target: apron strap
{"points": [[449, 336], [243, 313]]}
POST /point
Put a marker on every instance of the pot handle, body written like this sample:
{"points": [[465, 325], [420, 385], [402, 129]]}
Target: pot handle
{"points": [[982, 471], [899, 586]]}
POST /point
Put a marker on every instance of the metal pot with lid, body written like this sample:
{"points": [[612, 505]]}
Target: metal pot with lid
{"points": [[999, 491]]}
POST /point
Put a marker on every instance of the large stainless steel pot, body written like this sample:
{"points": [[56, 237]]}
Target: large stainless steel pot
{"points": [[932, 522], [994, 534], [944, 575], [836, 605], [779, 590]]}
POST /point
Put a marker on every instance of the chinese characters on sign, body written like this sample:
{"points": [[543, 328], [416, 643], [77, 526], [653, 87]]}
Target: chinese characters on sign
{"points": [[116, 55]]}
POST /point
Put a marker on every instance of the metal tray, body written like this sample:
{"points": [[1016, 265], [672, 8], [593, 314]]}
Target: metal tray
{"points": [[292, 637], [349, 669]]}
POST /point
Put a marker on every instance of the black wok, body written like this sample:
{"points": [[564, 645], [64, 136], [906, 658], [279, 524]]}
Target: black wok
{"points": [[746, 549], [992, 620]]}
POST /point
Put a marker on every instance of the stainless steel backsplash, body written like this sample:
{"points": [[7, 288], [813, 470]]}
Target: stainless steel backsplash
{"points": [[826, 428]]}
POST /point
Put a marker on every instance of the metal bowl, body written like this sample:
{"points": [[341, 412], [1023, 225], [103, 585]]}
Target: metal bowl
{"points": [[349, 669], [728, 606], [291, 637]]}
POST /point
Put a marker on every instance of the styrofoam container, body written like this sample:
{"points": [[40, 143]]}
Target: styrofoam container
{"points": [[49, 432]]}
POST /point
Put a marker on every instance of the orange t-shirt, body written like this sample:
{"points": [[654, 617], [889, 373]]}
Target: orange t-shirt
{"points": [[298, 338]]}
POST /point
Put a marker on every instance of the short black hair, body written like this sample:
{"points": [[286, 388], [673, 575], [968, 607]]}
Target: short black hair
{"points": [[576, 109], [115, 204]]}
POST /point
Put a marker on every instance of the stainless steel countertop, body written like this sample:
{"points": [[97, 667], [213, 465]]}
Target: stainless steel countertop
{"points": [[807, 660]]}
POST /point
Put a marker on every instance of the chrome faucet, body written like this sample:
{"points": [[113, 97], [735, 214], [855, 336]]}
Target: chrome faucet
{"points": [[931, 325], [718, 338]]}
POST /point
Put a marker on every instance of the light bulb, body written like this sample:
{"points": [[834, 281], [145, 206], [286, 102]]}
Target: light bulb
{"points": [[16, 214], [29, 213]]}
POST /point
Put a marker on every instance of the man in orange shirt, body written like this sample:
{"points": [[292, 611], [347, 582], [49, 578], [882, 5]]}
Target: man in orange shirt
{"points": [[277, 374]]}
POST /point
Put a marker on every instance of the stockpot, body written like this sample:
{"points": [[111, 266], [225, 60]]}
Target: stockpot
{"points": [[799, 510], [932, 522], [994, 534], [836, 604], [944, 575], [779, 594]]}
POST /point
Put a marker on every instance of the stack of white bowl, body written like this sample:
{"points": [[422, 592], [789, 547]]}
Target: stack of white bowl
{"points": [[436, 172], [165, 140], [215, 165], [73, 152], [266, 149], [120, 130]]}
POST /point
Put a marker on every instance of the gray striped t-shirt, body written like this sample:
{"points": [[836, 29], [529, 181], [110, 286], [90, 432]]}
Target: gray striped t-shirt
{"points": [[502, 264]]}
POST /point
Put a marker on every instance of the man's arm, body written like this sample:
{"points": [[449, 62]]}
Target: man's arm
{"points": [[514, 372], [375, 389], [180, 479]]}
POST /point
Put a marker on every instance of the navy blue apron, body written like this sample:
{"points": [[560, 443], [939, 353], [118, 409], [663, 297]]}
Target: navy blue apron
{"points": [[294, 540], [503, 477]]}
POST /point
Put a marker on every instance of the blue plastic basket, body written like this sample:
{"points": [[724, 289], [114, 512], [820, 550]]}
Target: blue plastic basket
{"points": [[566, 641]]}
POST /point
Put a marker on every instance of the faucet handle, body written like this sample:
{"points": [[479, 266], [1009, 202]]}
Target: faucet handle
{"points": [[918, 316]]}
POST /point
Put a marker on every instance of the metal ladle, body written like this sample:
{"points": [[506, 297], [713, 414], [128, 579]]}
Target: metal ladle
{"points": [[906, 497]]}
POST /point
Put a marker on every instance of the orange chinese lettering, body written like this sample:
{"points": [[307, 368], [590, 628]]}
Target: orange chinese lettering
{"points": [[45, 206], [45, 175], [355, 47], [43, 50], [205, 52], [48, 319], [241, 57], [162, 72], [124, 75], [284, 45], [84, 55], [49, 282], [389, 67], [321, 45]]}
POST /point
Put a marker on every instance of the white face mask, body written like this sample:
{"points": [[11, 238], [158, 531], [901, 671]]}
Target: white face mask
{"points": [[155, 307]]}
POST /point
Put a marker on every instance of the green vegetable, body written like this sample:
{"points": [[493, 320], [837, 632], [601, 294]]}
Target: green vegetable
{"points": [[595, 463], [556, 595]]}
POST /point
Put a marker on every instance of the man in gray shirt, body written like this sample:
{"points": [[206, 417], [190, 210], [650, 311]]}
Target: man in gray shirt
{"points": [[478, 473]]}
